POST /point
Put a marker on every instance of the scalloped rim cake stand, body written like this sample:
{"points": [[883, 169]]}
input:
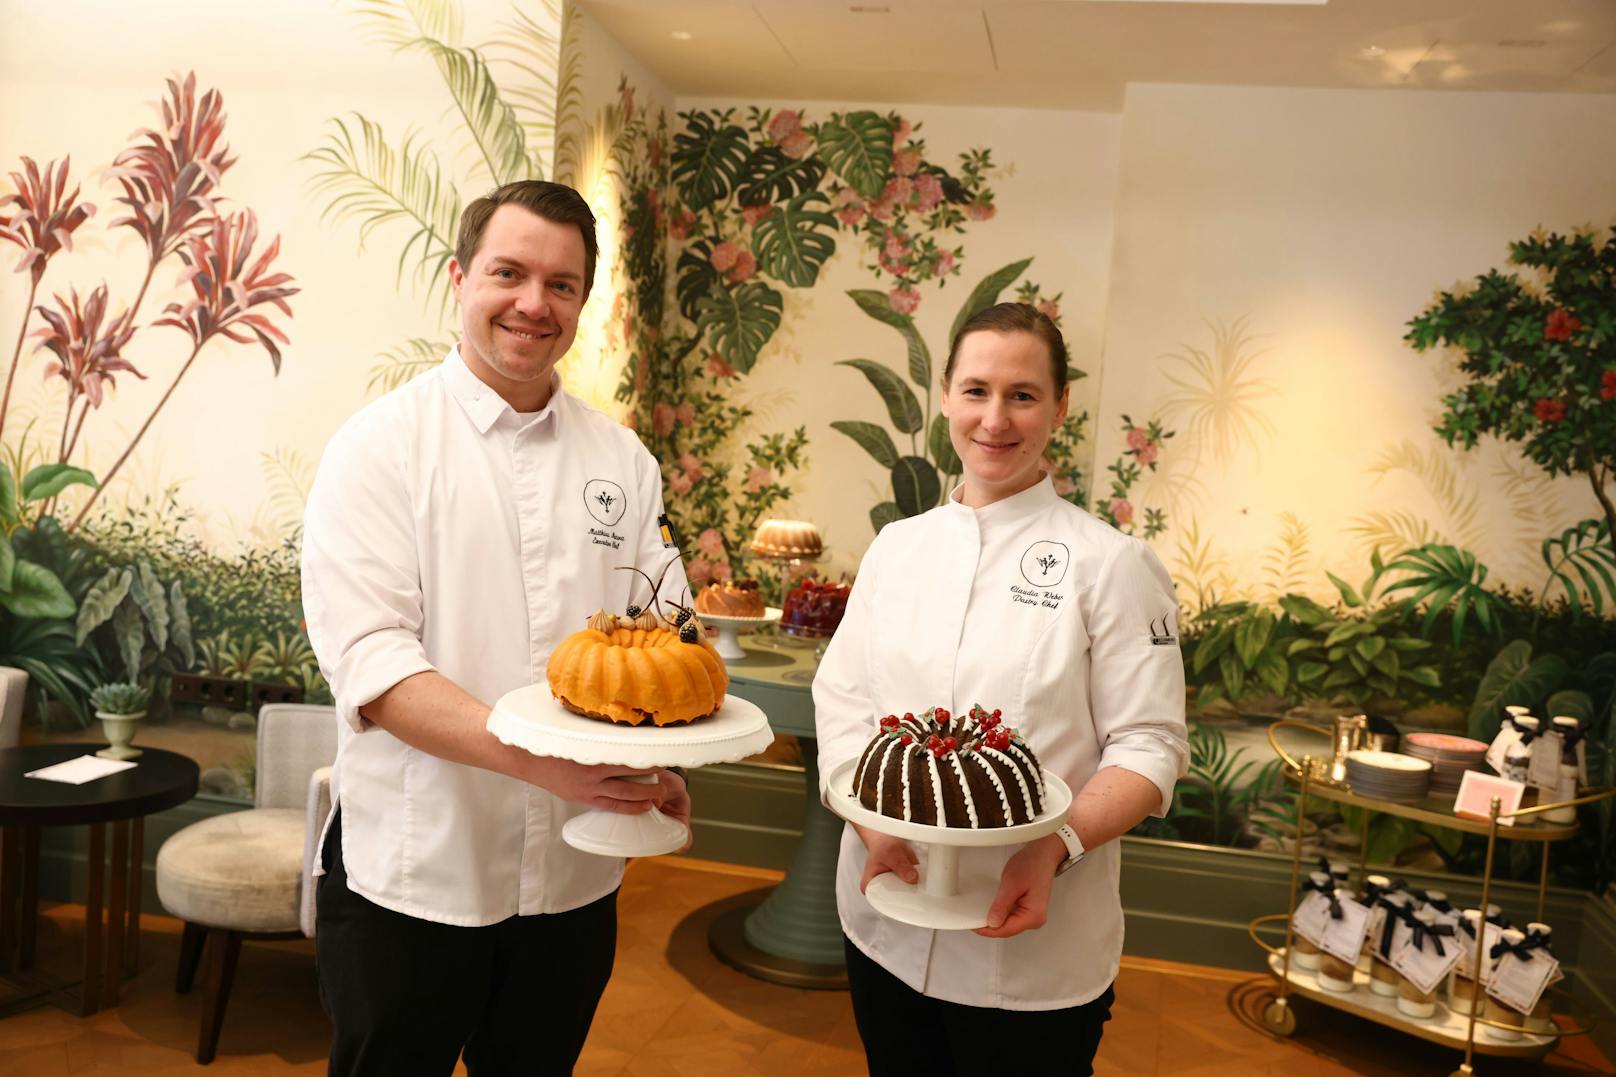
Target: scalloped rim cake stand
{"points": [[943, 899], [728, 645], [532, 719]]}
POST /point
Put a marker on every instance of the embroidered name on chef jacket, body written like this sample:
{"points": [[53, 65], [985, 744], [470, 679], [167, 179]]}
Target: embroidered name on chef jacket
{"points": [[606, 503], [1043, 567]]}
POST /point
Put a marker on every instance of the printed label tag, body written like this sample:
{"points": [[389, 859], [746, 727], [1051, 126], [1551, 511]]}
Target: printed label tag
{"points": [[1519, 984], [1424, 967], [1467, 949], [1312, 917], [1545, 768], [1507, 736], [1344, 938]]}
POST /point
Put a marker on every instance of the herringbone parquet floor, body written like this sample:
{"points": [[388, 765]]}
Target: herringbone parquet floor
{"points": [[673, 1010]]}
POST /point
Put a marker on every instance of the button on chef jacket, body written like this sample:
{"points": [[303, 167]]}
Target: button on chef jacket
{"points": [[1033, 607], [445, 531]]}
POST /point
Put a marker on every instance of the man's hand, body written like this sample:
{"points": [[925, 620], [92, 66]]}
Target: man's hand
{"points": [[886, 853], [601, 786], [1022, 903], [675, 802]]}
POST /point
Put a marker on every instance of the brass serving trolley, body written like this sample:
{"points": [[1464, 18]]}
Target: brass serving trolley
{"points": [[1456, 1031]]}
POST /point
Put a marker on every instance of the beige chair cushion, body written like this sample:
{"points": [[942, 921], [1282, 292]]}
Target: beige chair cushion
{"points": [[242, 871]]}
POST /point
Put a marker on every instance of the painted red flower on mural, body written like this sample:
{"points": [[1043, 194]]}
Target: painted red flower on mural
{"points": [[1549, 411], [1121, 511], [904, 300], [798, 145], [662, 419], [228, 290], [756, 213], [980, 210], [88, 352], [724, 256], [784, 124], [928, 192], [745, 265], [719, 368], [44, 216], [905, 162], [1607, 384], [1561, 324]]}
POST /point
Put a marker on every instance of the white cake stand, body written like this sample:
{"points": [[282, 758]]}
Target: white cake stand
{"points": [[943, 899], [728, 645], [532, 719]]}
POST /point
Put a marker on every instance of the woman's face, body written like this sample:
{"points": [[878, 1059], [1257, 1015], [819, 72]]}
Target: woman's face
{"points": [[1002, 407]]}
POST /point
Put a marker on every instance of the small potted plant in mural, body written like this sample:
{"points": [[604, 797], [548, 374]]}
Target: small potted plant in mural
{"points": [[120, 705]]}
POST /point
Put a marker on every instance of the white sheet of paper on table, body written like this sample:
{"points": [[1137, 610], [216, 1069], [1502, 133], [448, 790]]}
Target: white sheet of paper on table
{"points": [[84, 768]]}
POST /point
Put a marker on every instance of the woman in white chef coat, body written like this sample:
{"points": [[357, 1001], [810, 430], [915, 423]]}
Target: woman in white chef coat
{"points": [[1013, 598]]}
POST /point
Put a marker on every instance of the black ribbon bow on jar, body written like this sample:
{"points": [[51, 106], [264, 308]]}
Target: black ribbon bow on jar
{"points": [[1328, 890], [1439, 904], [1522, 949], [1529, 735], [1394, 913], [1570, 737]]}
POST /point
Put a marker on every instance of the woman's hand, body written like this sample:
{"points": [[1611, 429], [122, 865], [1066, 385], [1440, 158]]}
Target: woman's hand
{"points": [[886, 853], [1022, 903]]}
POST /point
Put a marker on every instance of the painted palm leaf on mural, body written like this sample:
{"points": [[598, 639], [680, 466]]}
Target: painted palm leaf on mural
{"points": [[739, 321], [1449, 508], [915, 485], [548, 78], [1219, 397], [404, 363], [770, 176], [370, 181], [708, 158], [497, 139], [1447, 578], [872, 438], [401, 23], [1581, 561], [789, 243], [1285, 564], [858, 148]]}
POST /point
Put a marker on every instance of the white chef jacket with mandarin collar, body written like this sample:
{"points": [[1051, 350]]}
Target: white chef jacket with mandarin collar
{"points": [[445, 531], [1031, 606]]}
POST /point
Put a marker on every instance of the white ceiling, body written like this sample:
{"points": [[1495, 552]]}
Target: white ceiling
{"points": [[1081, 54]]}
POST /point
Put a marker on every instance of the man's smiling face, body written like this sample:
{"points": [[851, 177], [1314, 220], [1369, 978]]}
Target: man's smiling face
{"points": [[519, 303]]}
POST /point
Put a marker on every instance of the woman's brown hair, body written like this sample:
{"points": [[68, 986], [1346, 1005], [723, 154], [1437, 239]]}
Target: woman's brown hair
{"points": [[1015, 318]]}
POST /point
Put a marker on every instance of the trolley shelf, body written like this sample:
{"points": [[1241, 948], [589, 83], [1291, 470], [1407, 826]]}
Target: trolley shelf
{"points": [[1438, 811]]}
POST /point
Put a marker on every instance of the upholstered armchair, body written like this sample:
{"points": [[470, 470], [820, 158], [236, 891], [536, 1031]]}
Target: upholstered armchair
{"points": [[13, 688], [250, 873]]}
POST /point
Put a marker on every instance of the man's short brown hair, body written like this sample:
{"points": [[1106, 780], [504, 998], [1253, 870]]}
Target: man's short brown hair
{"points": [[553, 201]]}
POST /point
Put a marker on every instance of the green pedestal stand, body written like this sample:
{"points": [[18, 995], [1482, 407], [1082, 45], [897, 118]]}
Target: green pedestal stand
{"points": [[793, 936]]}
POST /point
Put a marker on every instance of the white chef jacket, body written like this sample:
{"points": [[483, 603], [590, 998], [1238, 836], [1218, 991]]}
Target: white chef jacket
{"points": [[445, 531], [1033, 607]]}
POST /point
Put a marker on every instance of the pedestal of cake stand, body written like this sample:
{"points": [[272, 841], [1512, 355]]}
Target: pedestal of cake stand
{"points": [[945, 898], [530, 718], [728, 644]]}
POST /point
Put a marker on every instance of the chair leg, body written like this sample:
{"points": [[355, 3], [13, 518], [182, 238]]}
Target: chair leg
{"points": [[223, 950], [190, 956]]}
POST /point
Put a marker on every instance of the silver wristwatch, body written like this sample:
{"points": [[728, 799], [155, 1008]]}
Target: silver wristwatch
{"points": [[1074, 849]]}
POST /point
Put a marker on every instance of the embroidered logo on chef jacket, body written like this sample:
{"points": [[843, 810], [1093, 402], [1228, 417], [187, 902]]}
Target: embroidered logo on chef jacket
{"points": [[606, 503], [1161, 632], [1043, 566]]}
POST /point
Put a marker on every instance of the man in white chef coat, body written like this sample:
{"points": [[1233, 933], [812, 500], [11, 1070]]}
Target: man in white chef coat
{"points": [[459, 528]]}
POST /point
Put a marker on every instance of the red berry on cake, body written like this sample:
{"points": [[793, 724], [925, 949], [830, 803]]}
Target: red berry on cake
{"points": [[906, 739], [942, 715], [950, 743]]}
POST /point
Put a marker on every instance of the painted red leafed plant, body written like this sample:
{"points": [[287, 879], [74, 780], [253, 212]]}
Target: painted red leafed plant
{"points": [[89, 352], [40, 216], [229, 289]]}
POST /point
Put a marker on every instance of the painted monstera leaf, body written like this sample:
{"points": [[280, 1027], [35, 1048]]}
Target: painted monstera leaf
{"points": [[770, 176], [898, 397], [707, 160], [878, 306], [915, 485], [696, 277], [789, 244], [739, 322], [858, 148], [986, 293]]}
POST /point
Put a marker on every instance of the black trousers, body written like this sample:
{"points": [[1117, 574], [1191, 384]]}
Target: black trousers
{"points": [[406, 997], [907, 1034]]}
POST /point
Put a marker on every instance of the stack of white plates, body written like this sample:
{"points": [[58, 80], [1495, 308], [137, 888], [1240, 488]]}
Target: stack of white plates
{"points": [[1449, 756], [1388, 776]]}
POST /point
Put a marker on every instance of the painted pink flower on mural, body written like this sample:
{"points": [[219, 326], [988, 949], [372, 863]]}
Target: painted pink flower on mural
{"points": [[681, 483], [1148, 454], [654, 152], [711, 543], [1121, 511], [699, 570], [692, 464], [898, 191], [980, 210], [662, 416], [680, 222], [1138, 438], [904, 162], [1049, 309], [722, 571], [1063, 485], [904, 300], [944, 264], [849, 207], [901, 133], [896, 246], [928, 192], [45, 214], [718, 368], [745, 266], [686, 414], [785, 123], [87, 352], [1561, 324], [758, 478], [724, 255], [754, 214], [799, 145]]}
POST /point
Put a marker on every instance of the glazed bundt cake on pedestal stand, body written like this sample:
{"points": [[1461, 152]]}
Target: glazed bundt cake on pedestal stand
{"points": [[728, 644], [973, 782]]}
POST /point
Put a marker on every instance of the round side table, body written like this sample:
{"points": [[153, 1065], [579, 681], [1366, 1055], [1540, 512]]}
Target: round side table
{"points": [[159, 780]]}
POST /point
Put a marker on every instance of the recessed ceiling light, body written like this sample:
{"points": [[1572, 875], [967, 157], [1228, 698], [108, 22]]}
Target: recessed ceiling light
{"points": [[681, 35], [1373, 50]]}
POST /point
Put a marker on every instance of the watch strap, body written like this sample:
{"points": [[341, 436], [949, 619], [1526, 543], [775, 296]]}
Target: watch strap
{"points": [[1074, 848]]}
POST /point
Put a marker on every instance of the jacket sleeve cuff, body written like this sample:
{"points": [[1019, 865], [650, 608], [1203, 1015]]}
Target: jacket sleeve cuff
{"points": [[1156, 759], [371, 667]]}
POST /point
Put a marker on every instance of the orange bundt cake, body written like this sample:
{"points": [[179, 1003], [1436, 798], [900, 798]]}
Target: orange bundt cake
{"points": [[639, 668]]}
